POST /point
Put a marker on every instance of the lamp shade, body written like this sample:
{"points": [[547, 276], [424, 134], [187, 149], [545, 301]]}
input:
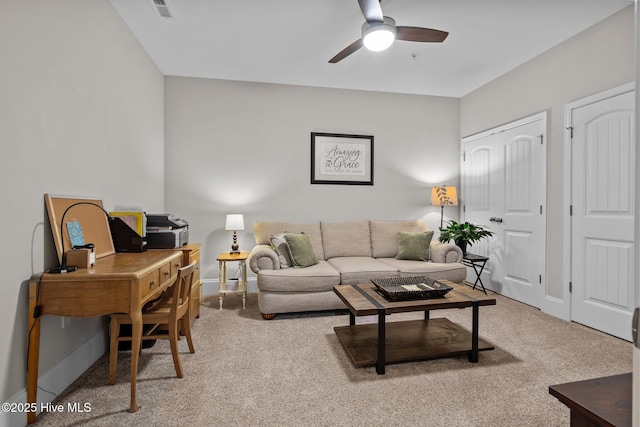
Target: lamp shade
{"points": [[234, 222], [444, 196]]}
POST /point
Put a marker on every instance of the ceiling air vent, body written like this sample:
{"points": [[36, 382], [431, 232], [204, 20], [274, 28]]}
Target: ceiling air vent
{"points": [[163, 8]]}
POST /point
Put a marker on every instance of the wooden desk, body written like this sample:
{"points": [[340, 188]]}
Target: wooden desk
{"points": [[119, 283], [598, 402]]}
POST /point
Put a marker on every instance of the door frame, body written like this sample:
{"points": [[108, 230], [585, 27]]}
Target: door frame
{"points": [[544, 116], [562, 307]]}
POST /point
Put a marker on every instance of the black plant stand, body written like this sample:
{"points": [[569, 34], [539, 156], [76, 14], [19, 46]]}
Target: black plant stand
{"points": [[477, 262]]}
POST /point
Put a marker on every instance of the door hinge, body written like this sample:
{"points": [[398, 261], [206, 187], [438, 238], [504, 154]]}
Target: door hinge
{"points": [[541, 139], [540, 279], [464, 208], [540, 209], [570, 287], [570, 129], [464, 156], [570, 210]]}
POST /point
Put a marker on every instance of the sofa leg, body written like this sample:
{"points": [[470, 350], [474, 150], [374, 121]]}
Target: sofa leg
{"points": [[269, 316]]}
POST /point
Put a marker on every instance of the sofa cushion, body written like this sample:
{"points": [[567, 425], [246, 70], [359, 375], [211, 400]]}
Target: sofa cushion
{"points": [[319, 277], [280, 245], [453, 271], [384, 235], [301, 251], [414, 246], [263, 230], [347, 238], [354, 270]]}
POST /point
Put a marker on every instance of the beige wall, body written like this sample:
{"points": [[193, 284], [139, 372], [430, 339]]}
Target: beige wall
{"points": [[81, 113], [600, 58], [238, 147]]}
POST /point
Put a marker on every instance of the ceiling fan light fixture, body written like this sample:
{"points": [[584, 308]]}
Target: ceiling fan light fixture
{"points": [[377, 36]]}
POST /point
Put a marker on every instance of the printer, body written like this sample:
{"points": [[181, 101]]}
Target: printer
{"points": [[165, 231]]}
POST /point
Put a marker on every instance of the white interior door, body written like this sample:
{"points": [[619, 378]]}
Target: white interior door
{"points": [[602, 217], [504, 182]]}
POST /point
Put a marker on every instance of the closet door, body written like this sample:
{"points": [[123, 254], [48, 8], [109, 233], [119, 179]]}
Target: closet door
{"points": [[602, 220], [504, 182]]}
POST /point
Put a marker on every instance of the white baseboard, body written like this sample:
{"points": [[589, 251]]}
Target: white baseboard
{"points": [[57, 379], [556, 307]]}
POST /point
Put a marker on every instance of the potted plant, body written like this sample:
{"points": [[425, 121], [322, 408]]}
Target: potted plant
{"points": [[463, 234]]}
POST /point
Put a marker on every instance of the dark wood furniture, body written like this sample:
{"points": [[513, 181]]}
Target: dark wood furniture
{"points": [[406, 341], [597, 402], [118, 283], [477, 262]]}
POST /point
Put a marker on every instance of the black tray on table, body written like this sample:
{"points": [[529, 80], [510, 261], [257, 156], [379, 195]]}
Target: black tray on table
{"points": [[410, 288]]}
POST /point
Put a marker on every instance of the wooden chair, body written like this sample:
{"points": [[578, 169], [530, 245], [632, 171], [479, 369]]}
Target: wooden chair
{"points": [[170, 312]]}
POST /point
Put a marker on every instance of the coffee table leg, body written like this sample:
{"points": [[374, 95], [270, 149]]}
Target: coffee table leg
{"points": [[473, 356], [352, 319], [381, 342]]}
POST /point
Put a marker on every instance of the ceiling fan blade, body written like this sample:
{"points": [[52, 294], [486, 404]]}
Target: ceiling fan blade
{"points": [[417, 34], [371, 10], [347, 51]]}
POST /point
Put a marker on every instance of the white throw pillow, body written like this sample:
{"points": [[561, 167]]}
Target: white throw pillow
{"points": [[280, 245]]}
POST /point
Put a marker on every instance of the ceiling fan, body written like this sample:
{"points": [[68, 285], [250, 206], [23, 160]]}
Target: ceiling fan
{"points": [[379, 32]]}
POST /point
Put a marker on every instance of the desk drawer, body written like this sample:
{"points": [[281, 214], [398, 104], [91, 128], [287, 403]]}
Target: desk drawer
{"points": [[166, 272], [175, 266], [150, 282]]}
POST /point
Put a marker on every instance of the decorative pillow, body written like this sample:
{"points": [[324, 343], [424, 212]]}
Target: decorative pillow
{"points": [[280, 245], [301, 250], [414, 246]]}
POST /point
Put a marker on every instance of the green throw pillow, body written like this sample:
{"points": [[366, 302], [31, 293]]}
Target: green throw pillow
{"points": [[301, 250], [414, 246]]}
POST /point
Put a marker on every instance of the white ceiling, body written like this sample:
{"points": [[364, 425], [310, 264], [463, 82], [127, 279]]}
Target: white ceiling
{"points": [[291, 41]]}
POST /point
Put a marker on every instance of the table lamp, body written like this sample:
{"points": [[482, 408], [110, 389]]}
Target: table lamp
{"points": [[444, 196], [234, 223]]}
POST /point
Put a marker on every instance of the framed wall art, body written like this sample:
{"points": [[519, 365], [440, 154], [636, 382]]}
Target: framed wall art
{"points": [[341, 159]]}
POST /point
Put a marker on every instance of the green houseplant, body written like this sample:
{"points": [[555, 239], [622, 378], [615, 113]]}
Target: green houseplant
{"points": [[463, 234]]}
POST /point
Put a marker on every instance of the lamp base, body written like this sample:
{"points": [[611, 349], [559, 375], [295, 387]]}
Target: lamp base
{"points": [[235, 248]]}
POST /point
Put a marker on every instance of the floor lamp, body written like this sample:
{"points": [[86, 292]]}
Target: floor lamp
{"points": [[444, 196]]}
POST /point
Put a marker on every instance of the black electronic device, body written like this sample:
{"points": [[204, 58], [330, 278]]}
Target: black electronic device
{"points": [[125, 238], [165, 221], [165, 231]]}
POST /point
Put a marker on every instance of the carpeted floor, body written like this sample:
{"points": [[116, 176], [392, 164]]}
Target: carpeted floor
{"points": [[292, 371]]}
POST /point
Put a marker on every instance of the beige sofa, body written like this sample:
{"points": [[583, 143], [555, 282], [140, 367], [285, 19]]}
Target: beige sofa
{"points": [[347, 252]]}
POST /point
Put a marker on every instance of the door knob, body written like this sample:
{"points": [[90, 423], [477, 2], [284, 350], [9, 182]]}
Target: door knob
{"points": [[498, 220], [492, 219]]}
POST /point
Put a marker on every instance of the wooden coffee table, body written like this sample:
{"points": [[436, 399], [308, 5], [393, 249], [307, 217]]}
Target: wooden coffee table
{"points": [[408, 341]]}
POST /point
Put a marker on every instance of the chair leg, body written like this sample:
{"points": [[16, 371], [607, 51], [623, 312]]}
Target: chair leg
{"points": [[114, 331], [186, 328], [173, 340]]}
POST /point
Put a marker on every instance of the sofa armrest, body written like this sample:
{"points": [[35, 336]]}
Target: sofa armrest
{"points": [[445, 252], [263, 257]]}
